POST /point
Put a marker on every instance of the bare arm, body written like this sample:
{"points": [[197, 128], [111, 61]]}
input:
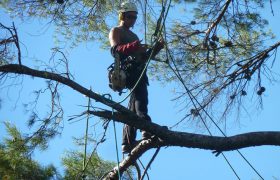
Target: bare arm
{"points": [[114, 37]]}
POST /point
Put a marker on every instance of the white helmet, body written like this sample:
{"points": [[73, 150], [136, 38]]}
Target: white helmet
{"points": [[127, 6]]}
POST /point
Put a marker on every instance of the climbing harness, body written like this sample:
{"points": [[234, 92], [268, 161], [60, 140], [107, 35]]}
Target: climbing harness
{"points": [[123, 74]]}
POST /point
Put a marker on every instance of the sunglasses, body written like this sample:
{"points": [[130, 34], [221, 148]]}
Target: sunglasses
{"points": [[131, 17]]}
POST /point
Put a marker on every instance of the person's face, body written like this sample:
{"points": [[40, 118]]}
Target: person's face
{"points": [[130, 18]]}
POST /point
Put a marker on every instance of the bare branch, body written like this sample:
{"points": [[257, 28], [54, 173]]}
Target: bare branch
{"points": [[216, 22]]}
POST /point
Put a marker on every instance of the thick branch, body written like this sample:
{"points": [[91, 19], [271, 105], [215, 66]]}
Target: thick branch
{"points": [[21, 69], [191, 140], [6, 41], [183, 139], [135, 154]]}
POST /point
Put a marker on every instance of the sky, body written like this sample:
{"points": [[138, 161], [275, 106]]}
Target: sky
{"points": [[88, 63]]}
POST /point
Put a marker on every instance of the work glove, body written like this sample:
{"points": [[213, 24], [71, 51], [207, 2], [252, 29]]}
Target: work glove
{"points": [[155, 50]]}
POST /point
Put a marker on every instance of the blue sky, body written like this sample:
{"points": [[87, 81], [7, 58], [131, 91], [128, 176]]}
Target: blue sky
{"points": [[88, 64]]}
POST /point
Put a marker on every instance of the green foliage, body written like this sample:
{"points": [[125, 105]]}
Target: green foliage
{"points": [[199, 57], [239, 35], [73, 163], [15, 159], [181, 1], [208, 46], [95, 166], [16, 162], [75, 21]]}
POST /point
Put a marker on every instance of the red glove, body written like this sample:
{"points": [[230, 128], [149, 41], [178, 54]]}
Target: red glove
{"points": [[128, 48]]}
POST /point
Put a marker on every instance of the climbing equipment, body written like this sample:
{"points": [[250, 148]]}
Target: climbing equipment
{"points": [[117, 75]]}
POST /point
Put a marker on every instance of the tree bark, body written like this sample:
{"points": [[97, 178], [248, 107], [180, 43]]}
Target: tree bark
{"points": [[191, 140]]}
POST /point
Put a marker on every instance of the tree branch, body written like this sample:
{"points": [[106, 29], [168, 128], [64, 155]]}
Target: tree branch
{"points": [[217, 21], [171, 138], [21, 69], [183, 139], [191, 140], [165, 137], [135, 154]]}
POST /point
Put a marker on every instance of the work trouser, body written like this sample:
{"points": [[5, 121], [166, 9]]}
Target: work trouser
{"points": [[138, 103]]}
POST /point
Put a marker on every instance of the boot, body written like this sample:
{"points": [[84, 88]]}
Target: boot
{"points": [[146, 135], [126, 148]]}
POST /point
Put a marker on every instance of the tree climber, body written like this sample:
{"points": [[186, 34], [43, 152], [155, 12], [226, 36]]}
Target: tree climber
{"points": [[131, 52]]}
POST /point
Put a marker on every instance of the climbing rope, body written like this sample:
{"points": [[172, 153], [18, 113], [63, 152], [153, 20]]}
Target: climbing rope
{"points": [[192, 97], [86, 139], [154, 39], [149, 164], [85, 163], [115, 136], [158, 31], [116, 143], [189, 93]]}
